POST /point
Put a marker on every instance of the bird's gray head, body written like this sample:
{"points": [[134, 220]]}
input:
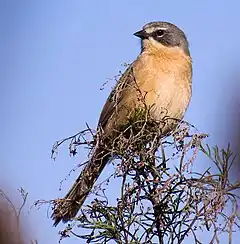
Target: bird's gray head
{"points": [[163, 33]]}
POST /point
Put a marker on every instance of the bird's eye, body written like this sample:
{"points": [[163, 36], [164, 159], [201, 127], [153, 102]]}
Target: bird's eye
{"points": [[159, 33]]}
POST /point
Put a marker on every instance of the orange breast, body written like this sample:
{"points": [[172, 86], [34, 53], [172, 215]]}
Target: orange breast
{"points": [[165, 81], [162, 82]]}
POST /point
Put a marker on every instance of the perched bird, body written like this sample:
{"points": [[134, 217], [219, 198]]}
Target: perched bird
{"points": [[159, 79]]}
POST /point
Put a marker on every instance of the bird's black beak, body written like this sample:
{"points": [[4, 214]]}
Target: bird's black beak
{"points": [[141, 34]]}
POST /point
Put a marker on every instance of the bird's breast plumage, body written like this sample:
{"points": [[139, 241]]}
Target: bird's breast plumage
{"points": [[165, 79], [160, 81]]}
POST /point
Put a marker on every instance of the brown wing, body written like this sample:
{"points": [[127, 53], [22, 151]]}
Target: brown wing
{"points": [[116, 96]]}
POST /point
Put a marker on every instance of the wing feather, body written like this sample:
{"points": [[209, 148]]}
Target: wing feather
{"points": [[126, 81]]}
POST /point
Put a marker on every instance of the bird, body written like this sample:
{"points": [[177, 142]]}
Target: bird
{"points": [[161, 76]]}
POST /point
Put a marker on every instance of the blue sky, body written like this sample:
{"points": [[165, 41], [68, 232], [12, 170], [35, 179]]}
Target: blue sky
{"points": [[54, 57]]}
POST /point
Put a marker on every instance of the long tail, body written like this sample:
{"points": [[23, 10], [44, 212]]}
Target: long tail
{"points": [[73, 201]]}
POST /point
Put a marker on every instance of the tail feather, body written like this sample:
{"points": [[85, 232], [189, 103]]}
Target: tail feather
{"points": [[75, 198]]}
